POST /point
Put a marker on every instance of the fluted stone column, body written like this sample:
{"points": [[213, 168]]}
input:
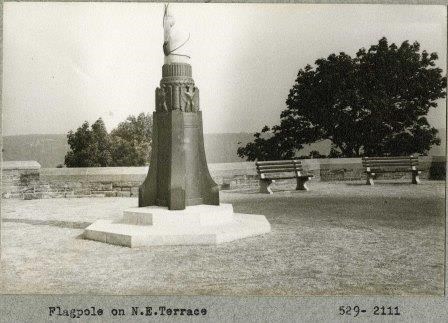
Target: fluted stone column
{"points": [[178, 174]]}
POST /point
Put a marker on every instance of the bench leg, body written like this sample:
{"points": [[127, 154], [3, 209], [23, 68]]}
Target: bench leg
{"points": [[370, 179], [265, 186], [301, 184], [415, 178]]}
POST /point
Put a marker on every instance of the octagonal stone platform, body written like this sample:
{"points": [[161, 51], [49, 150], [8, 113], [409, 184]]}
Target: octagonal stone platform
{"points": [[156, 225]]}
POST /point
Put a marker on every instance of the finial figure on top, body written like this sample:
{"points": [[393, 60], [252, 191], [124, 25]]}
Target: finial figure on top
{"points": [[173, 40]]}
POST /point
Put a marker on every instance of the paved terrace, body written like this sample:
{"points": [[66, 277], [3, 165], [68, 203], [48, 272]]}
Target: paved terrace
{"points": [[340, 238]]}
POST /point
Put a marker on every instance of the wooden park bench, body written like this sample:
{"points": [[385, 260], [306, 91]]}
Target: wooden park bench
{"points": [[269, 172], [376, 165]]}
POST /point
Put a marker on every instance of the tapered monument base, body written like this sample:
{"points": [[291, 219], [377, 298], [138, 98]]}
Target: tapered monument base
{"points": [[195, 225]]}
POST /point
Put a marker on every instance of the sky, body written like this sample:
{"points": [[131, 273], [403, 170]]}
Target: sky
{"points": [[64, 63]]}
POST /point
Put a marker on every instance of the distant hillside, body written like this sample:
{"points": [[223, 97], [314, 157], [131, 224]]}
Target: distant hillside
{"points": [[47, 150], [50, 150], [222, 147]]}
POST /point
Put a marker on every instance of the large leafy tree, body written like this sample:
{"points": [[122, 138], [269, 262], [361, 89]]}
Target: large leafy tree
{"points": [[89, 147], [267, 147], [374, 104], [127, 145], [131, 141], [100, 144]]}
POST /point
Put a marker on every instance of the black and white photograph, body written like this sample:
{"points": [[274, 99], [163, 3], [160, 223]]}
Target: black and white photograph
{"points": [[223, 149]]}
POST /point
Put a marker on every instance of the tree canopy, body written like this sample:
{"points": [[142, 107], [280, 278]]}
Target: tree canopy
{"points": [[374, 104], [131, 141], [127, 145]]}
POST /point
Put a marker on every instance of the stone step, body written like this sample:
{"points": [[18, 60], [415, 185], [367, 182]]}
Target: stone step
{"points": [[196, 215], [132, 235]]}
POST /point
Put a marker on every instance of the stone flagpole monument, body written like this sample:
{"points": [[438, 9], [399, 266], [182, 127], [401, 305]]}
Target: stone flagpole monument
{"points": [[178, 176], [178, 201]]}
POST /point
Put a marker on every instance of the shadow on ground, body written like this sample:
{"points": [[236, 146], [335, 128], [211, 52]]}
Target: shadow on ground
{"points": [[60, 224], [335, 239]]}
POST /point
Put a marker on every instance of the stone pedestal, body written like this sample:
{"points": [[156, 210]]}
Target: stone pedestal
{"points": [[178, 174], [178, 201], [156, 226]]}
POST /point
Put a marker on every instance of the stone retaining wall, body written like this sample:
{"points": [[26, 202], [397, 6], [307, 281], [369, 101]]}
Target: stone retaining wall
{"points": [[349, 169], [94, 181], [25, 179], [19, 177]]}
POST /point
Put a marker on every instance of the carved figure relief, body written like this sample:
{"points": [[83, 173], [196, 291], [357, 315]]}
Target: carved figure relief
{"points": [[195, 100], [190, 99], [161, 99]]}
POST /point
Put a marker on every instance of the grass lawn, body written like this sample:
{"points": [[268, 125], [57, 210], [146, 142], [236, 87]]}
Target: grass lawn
{"points": [[337, 239]]}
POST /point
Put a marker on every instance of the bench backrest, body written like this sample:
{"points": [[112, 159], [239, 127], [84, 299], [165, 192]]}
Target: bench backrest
{"points": [[279, 166], [404, 162]]}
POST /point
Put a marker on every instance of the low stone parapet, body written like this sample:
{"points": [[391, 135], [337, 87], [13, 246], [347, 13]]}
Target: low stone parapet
{"points": [[19, 177], [93, 181], [27, 180], [350, 169]]}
